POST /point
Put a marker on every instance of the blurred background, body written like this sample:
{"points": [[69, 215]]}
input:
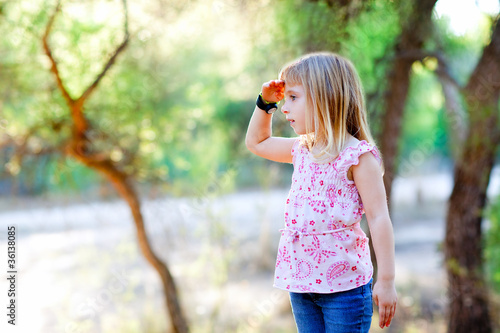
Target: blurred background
{"points": [[122, 130]]}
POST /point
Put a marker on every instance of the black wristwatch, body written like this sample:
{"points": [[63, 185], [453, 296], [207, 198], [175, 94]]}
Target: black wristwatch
{"points": [[266, 106]]}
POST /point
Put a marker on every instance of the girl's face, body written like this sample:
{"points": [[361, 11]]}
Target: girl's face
{"points": [[295, 109]]}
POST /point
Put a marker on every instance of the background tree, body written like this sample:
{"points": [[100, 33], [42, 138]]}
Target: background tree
{"points": [[469, 308], [416, 29], [81, 147]]}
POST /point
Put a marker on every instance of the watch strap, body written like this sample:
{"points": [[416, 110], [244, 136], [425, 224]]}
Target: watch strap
{"points": [[262, 104]]}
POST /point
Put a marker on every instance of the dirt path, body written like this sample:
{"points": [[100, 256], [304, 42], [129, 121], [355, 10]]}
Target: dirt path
{"points": [[80, 270]]}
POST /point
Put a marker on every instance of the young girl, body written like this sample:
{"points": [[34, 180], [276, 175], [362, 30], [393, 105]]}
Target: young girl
{"points": [[323, 256]]}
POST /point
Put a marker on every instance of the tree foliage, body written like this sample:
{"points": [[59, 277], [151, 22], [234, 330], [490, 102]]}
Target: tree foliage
{"points": [[180, 98]]}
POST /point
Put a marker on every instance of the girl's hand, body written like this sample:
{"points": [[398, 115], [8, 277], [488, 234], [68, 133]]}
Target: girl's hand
{"points": [[384, 295], [273, 91]]}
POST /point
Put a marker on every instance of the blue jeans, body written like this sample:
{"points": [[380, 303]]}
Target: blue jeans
{"points": [[342, 312]]}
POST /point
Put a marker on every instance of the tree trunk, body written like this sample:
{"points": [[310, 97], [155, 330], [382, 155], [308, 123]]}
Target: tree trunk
{"points": [[414, 33], [399, 81], [468, 301], [463, 245], [122, 184]]}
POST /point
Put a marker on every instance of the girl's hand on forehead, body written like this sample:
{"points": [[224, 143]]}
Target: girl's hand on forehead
{"points": [[273, 91]]}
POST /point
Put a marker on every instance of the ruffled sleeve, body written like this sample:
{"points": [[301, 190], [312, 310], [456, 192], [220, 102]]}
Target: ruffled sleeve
{"points": [[351, 157]]}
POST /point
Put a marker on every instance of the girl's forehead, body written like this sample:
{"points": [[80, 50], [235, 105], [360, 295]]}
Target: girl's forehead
{"points": [[293, 88]]}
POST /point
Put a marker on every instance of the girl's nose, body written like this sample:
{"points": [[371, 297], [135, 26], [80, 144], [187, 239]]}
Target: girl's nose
{"points": [[284, 109]]}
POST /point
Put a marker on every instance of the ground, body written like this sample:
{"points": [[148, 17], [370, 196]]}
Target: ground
{"points": [[80, 269]]}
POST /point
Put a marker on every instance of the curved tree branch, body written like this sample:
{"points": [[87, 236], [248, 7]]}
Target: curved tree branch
{"points": [[443, 71], [76, 105], [111, 60], [455, 112], [53, 62], [21, 146]]}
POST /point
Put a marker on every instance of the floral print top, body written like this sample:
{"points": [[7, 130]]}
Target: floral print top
{"points": [[322, 248]]}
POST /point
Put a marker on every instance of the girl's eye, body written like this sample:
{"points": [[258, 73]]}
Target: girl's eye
{"points": [[293, 97]]}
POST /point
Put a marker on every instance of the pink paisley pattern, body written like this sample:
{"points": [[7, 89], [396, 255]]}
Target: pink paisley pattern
{"points": [[283, 256], [318, 251], [315, 172], [318, 206], [341, 235], [304, 270], [299, 202], [305, 289], [336, 270], [330, 194], [321, 201], [361, 243]]}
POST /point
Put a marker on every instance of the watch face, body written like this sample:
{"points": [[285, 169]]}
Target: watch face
{"points": [[271, 110]]}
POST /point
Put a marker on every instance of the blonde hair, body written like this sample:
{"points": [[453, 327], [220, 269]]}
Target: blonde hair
{"points": [[335, 98]]}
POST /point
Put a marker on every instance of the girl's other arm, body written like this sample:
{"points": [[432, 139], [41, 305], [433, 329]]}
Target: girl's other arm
{"points": [[368, 179], [259, 139]]}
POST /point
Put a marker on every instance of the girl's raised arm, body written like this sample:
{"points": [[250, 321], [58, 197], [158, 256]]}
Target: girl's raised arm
{"points": [[259, 139]]}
